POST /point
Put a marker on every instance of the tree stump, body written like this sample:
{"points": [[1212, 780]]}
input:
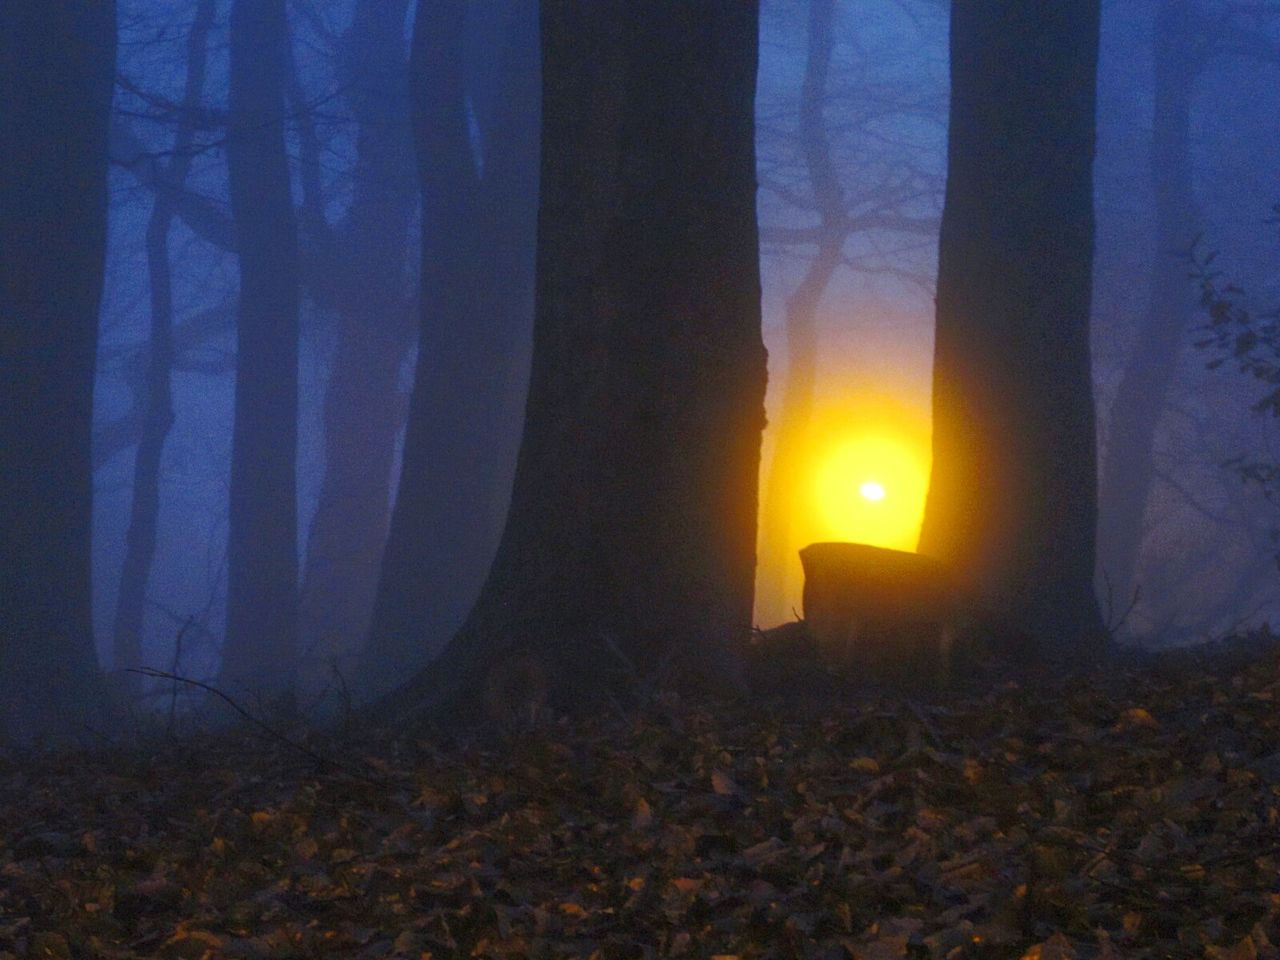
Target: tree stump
{"points": [[881, 614]]}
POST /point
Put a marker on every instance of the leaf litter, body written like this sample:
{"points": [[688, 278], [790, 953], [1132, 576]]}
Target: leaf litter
{"points": [[1134, 813]]}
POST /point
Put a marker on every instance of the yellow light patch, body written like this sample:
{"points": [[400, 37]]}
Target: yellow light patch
{"points": [[855, 469], [872, 490], [869, 487]]}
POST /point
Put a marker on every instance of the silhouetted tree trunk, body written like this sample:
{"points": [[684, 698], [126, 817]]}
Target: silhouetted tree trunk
{"points": [[802, 314], [1012, 505], [363, 406], [144, 512], [477, 241], [57, 66], [1128, 468], [262, 597], [631, 535], [509, 110]]}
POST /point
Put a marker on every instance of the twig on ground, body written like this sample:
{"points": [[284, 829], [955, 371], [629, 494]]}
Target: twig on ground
{"points": [[260, 724]]}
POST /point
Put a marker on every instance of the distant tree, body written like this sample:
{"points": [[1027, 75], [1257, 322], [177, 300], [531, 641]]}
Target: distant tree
{"points": [[357, 268], [260, 651], [144, 513], [630, 540], [829, 241], [1128, 468], [57, 65], [353, 268], [869, 188], [1188, 37], [1012, 504], [1231, 576], [1237, 334], [479, 201]]}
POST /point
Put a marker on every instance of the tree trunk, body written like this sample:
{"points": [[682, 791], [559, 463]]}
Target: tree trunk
{"points": [[477, 240], [796, 409], [630, 542], [1012, 505], [363, 409], [144, 512], [1127, 468], [57, 67], [509, 115], [262, 598]]}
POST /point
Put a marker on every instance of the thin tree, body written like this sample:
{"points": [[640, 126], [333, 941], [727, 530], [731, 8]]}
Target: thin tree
{"points": [[630, 541], [1013, 500], [57, 64], [802, 306], [262, 594], [144, 512]]}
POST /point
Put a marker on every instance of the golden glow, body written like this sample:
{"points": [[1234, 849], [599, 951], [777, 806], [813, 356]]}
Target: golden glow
{"points": [[871, 490], [855, 469], [869, 487]]}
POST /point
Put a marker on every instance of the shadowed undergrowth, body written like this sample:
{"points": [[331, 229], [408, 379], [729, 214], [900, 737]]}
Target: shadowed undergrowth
{"points": [[1131, 814]]}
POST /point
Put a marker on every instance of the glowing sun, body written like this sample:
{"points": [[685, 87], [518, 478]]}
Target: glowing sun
{"points": [[872, 491], [870, 488]]}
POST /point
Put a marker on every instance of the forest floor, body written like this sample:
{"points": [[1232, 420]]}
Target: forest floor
{"points": [[1132, 814]]}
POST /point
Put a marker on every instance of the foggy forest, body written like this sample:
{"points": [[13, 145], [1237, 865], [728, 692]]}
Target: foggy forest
{"points": [[692, 478]]}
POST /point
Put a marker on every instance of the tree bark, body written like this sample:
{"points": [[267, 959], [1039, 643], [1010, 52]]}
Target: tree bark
{"points": [[57, 66], [1128, 468], [260, 651], [630, 542], [1012, 504], [477, 241], [144, 511]]}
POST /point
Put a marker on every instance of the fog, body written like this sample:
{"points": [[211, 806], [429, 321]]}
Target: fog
{"points": [[613, 478], [1199, 559]]}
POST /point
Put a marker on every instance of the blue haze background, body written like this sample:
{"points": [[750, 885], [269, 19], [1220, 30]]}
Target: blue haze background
{"points": [[1207, 560]]}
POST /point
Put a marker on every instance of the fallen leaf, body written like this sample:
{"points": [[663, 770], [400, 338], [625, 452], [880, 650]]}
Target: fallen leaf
{"points": [[1057, 947], [723, 784], [642, 818]]}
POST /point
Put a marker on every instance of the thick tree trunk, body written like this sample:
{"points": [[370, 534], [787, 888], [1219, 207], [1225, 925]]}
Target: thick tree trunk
{"points": [[363, 409], [1128, 468], [262, 597], [796, 409], [57, 67], [1012, 505], [144, 512], [477, 230], [510, 113], [630, 542]]}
